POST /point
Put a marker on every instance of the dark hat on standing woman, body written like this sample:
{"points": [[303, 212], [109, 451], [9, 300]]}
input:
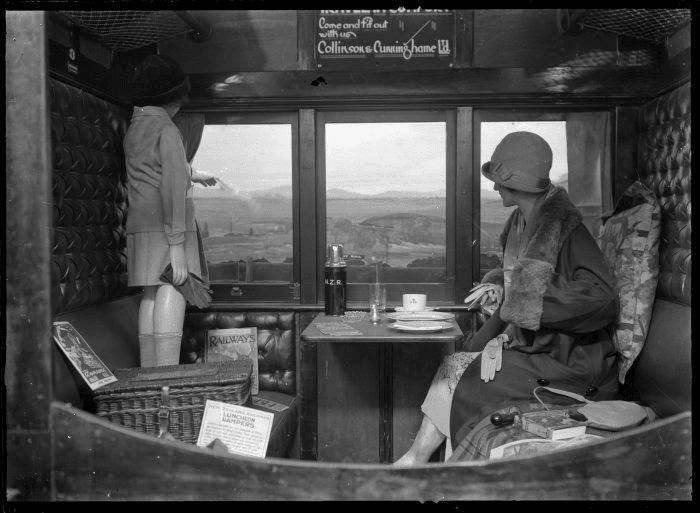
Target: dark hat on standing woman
{"points": [[159, 80], [521, 161]]}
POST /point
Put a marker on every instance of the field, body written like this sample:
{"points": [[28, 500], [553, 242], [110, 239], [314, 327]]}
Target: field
{"points": [[261, 228]]}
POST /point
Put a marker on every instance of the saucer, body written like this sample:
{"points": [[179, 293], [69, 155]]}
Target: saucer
{"points": [[402, 309], [422, 327]]}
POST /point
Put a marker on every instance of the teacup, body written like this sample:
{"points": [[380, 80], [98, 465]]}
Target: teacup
{"points": [[414, 302]]}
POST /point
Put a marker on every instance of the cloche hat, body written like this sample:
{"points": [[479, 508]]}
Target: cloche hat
{"points": [[521, 161], [159, 80]]}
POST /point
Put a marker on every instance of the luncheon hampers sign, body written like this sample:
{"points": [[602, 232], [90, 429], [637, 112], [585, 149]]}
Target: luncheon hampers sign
{"points": [[375, 37]]}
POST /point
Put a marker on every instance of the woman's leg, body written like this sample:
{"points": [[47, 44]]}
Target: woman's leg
{"points": [[168, 318], [427, 440], [147, 348], [435, 426]]}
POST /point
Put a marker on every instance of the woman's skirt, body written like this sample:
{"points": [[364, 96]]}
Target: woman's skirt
{"points": [[148, 254]]}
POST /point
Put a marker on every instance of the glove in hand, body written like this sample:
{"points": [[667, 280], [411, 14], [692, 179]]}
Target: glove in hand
{"points": [[195, 291], [492, 358], [487, 296]]}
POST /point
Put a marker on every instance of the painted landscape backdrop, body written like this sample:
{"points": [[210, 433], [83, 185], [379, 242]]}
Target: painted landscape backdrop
{"points": [[399, 229]]}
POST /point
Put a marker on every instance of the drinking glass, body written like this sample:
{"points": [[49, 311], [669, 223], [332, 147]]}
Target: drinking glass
{"points": [[377, 299]]}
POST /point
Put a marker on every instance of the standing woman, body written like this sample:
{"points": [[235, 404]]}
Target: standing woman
{"points": [[160, 227]]}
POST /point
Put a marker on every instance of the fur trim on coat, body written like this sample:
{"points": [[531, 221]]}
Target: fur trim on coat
{"points": [[554, 221]]}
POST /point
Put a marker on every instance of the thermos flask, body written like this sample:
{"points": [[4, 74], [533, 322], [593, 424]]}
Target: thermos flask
{"points": [[335, 280]]}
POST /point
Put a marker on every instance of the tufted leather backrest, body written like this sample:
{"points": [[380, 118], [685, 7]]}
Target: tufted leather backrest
{"points": [[276, 343], [662, 376], [664, 166], [88, 264]]}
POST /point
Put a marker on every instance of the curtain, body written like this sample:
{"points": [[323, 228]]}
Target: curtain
{"points": [[191, 125], [588, 158]]}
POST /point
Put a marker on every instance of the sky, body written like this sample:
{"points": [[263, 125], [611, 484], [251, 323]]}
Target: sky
{"points": [[366, 158]]}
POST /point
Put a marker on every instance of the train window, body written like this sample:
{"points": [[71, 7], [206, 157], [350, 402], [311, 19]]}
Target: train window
{"points": [[386, 200], [580, 145], [246, 220]]}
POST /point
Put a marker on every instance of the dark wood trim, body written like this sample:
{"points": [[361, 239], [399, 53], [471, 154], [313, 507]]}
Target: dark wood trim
{"points": [[306, 206], [246, 118], [307, 390], [464, 38], [624, 155], [296, 205], [320, 205], [306, 57], [96, 460], [28, 344], [467, 203], [247, 306], [451, 200], [386, 403], [504, 87]]}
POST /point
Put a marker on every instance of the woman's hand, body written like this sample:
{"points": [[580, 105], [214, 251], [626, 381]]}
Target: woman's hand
{"points": [[486, 296], [179, 263], [204, 179]]}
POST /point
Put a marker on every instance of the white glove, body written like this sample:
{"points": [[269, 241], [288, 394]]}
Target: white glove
{"points": [[492, 357], [487, 296]]}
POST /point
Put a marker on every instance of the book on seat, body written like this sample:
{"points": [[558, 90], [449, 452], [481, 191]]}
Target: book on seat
{"points": [[552, 424]]}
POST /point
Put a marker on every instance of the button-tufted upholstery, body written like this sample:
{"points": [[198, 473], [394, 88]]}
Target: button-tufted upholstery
{"points": [[661, 377], [89, 261], [664, 166], [276, 362], [88, 264], [276, 353]]}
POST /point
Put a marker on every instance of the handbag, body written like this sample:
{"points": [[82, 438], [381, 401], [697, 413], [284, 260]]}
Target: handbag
{"points": [[607, 415]]}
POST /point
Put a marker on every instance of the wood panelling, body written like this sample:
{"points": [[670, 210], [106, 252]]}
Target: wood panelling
{"points": [[28, 252], [242, 40], [505, 38], [96, 460], [411, 89], [307, 390], [414, 366], [307, 193], [466, 183], [348, 402], [625, 170]]}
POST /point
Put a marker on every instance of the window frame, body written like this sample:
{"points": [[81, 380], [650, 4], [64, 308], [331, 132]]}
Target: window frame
{"points": [[441, 293], [498, 115], [237, 292]]}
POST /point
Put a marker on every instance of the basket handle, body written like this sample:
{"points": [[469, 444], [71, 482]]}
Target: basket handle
{"points": [[164, 412]]}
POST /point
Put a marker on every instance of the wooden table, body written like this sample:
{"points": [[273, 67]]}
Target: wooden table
{"points": [[371, 385]]}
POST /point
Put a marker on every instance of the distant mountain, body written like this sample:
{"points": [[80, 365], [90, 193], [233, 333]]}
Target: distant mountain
{"points": [[341, 193], [410, 194], [282, 190], [220, 190], [286, 191]]}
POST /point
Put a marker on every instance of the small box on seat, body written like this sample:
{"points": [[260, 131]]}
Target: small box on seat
{"points": [[172, 398]]}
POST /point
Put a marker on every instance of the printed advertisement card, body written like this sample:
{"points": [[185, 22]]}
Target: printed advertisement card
{"points": [[80, 354], [234, 344], [243, 430]]}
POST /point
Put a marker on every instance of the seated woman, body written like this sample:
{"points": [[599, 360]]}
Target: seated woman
{"points": [[555, 320]]}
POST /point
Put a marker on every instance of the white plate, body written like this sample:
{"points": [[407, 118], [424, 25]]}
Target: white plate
{"points": [[402, 309], [421, 316], [421, 326]]}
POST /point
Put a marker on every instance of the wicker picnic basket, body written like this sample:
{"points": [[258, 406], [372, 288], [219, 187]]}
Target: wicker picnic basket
{"points": [[171, 399]]}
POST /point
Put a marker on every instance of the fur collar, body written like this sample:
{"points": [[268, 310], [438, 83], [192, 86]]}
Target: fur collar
{"points": [[553, 220]]}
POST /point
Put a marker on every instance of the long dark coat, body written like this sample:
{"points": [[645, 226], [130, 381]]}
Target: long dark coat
{"points": [[561, 306]]}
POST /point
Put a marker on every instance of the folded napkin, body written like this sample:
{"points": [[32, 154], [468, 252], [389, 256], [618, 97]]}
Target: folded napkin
{"points": [[195, 290]]}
